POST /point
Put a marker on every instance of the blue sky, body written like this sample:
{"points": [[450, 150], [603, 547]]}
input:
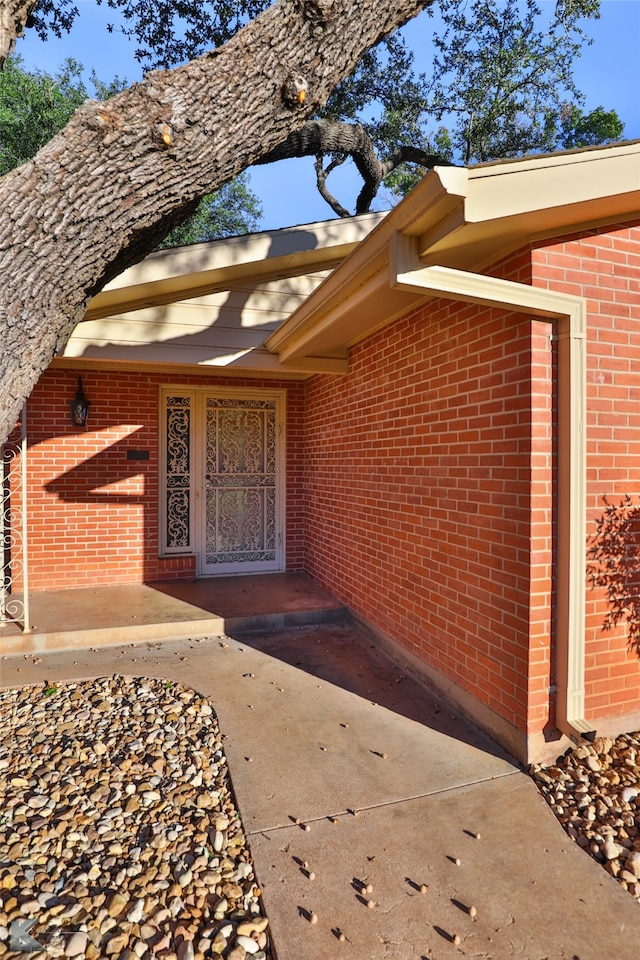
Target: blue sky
{"points": [[607, 73]]}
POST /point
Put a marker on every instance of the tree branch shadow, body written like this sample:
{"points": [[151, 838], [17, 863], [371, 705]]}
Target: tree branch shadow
{"points": [[614, 555]]}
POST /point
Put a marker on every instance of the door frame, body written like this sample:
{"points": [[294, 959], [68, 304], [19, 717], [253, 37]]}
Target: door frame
{"points": [[196, 486]]}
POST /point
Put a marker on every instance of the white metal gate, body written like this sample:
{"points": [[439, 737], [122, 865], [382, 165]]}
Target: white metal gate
{"points": [[14, 574]]}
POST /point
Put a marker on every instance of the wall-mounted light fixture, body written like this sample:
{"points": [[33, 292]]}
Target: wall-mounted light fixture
{"points": [[79, 407]]}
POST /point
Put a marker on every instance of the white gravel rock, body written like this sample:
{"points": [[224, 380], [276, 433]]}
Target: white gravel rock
{"points": [[135, 914], [611, 850], [250, 946], [76, 945], [593, 790]]}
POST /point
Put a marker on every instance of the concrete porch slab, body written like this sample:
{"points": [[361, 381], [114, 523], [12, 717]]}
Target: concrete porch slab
{"points": [[132, 613]]}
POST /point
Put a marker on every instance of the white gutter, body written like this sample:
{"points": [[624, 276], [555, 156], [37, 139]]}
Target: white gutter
{"points": [[568, 313]]}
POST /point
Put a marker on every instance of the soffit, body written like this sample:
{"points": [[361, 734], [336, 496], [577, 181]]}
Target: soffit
{"points": [[226, 329]]}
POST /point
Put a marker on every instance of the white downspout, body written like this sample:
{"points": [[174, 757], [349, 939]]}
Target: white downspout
{"points": [[572, 531], [409, 274]]}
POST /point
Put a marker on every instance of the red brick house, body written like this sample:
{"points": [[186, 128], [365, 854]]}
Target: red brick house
{"points": [[423, 410]]}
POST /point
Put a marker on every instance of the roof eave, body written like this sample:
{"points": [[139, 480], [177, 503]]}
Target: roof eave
{"points": [[465, 219], [185, 273]]}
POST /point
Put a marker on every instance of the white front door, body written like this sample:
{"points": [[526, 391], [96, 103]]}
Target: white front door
{"points": [[236, 482]]}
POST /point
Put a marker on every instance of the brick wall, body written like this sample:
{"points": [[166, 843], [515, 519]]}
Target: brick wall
{"points": [[94, 514], [439, 438], [421, 474], [606, 270]]}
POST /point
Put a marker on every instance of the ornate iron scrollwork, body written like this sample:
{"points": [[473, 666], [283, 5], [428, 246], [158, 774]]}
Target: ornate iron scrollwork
{"points": [[14, 587], [241, 480], [178, 472]]}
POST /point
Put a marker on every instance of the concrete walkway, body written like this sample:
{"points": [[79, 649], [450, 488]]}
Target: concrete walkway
{"points": [[322, 729]]}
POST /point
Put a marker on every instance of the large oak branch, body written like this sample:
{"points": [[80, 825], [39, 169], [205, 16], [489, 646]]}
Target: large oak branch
{"points": [[321, 138], [102, 193]]}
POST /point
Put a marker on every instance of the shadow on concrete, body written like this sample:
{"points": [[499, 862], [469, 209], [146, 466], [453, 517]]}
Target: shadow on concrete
{"points": [[348, 657]]}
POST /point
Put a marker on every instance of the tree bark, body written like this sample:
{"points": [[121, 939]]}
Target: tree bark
{"points": [[13, 19], [101, 195]]}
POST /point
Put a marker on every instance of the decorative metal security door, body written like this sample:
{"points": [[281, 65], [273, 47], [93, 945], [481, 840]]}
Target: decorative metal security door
{"points": [[242, 485]]}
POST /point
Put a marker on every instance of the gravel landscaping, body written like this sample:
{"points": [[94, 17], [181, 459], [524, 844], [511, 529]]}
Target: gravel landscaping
{"points": [[119, 833], [120, 836], [594, 791]]}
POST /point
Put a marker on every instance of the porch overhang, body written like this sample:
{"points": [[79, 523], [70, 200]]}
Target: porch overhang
{"points": [[187, 273], [210, 306], [464, 219]]}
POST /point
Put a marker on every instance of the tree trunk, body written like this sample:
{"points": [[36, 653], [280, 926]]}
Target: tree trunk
{"points": [[13, 19], [101, 195]]}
